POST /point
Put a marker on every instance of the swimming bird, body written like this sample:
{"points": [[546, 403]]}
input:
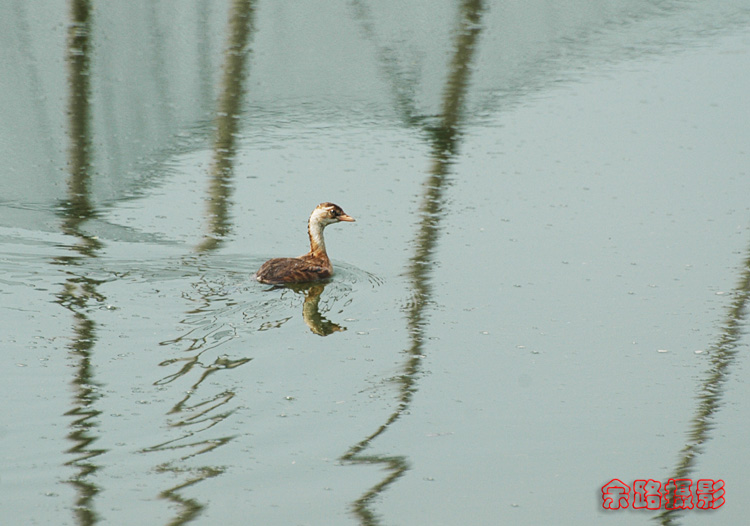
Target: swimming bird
{"points": [[314, 265]]}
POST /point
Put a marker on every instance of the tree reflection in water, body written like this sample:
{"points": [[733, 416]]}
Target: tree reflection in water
{"points": [[194, 419], [444, 137], [80, 290]]}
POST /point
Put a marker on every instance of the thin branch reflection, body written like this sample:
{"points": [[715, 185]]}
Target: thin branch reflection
{"points": [[194, 419], [229, 111], [79, 290], [444, 138], [723, 356]]}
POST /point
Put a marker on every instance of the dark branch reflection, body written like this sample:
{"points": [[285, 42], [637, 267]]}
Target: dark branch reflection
{"points": [[444, 138], [227, 120], [723, 356], [79, 290], [193, 419]]}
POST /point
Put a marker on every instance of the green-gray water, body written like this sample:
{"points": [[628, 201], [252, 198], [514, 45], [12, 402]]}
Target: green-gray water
{"points": [[546, 287]]}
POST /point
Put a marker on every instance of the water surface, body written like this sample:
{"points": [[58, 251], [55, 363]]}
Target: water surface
{"points": [[545, 289]]}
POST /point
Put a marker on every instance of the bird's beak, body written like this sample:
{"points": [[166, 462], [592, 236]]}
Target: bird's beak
{"points": [[345, 217]]}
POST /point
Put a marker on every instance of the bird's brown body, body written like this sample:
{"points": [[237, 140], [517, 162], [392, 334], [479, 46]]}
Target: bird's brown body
{"points": [[314, 265]]}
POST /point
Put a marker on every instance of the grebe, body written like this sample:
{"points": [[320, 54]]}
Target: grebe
{"points": [[314, 265]]}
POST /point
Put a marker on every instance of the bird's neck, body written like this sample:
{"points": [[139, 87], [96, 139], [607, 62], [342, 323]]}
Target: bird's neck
{"points": [[317, 243]]}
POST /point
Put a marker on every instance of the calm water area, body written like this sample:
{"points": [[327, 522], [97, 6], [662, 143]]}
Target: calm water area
{"points": [[546, 287]]}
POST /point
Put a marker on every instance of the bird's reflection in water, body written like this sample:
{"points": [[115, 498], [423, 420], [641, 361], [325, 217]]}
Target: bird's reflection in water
{"points": [[311, 313]]}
